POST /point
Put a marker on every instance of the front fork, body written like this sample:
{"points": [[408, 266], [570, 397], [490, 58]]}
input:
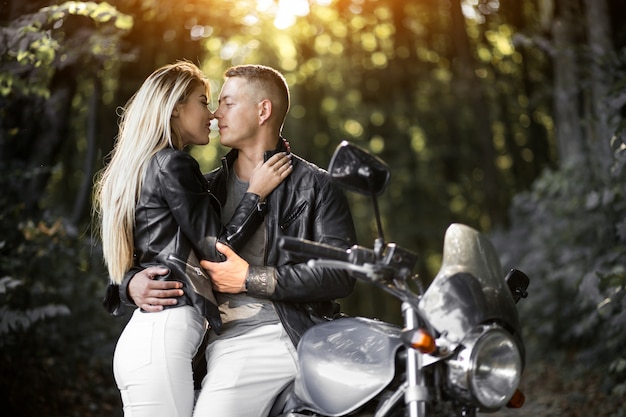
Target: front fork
{"points": [[416, 394]]}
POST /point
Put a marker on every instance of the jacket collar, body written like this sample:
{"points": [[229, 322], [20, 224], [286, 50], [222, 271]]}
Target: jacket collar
{"points": [[281, 146]]}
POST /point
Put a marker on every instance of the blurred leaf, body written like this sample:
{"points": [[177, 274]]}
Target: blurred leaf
{"points": [[7, 283]]}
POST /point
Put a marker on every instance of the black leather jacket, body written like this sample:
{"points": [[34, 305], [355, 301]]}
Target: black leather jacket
{"points": [[177, 222], [305, 205]]}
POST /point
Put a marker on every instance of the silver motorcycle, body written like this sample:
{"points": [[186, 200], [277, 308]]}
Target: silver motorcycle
{"points": [[460, 350]]}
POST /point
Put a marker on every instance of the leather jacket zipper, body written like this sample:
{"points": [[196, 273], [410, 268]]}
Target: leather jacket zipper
{"points": [[293, 216], [198, 271]]}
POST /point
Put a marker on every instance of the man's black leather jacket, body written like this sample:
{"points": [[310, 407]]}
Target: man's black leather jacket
{"points": [[305, 205], [177, 221]]}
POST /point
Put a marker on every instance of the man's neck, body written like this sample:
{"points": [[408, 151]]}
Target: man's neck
{"points": [[249, 157]]}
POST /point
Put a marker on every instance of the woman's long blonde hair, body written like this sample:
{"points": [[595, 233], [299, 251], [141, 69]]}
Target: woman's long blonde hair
{"points": [[144, 128]]}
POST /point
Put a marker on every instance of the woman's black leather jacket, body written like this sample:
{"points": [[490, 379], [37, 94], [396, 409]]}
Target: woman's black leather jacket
{"points": [[177, 222], [305, 205]]}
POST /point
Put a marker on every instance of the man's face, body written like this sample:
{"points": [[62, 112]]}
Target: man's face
{"points": [[237, 113]]}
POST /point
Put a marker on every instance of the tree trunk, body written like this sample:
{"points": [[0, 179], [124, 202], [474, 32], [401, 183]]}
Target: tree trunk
{"points": [[599, 122], [53, 130], [494, 201], [82, 196], [567, 76]]}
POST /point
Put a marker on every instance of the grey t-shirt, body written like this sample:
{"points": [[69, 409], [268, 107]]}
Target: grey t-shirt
{"points": [[241, 312]]}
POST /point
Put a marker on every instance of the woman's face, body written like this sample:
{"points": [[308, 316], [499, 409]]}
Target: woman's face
{"points": [[192, 119]]}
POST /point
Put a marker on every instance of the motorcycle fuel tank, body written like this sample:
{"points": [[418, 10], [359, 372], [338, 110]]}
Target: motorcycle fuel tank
{"points": [[344, 363]]}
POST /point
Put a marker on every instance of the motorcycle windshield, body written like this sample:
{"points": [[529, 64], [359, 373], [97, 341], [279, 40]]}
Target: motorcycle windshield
{"points": [[469, 288]]}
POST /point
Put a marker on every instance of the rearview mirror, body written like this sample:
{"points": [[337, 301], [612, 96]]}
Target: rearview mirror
{"points": [[358, 170]]}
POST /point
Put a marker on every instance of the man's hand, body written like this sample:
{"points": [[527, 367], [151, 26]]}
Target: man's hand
{"points": [[151, 295], [228, 276]]}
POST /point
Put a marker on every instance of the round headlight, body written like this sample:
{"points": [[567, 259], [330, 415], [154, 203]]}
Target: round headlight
{"points": [[487, 369]]}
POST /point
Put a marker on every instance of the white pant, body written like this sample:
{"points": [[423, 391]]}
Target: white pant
{"points": [[152, 362], [245, 373]]}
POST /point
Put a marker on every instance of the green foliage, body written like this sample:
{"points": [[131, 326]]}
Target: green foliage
{"points": [[17, 320], [33, 45], [56, 341], [569, 235]]}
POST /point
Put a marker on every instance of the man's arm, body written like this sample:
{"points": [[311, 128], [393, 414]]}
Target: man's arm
{"points": [[149, 294], [295, 282]]}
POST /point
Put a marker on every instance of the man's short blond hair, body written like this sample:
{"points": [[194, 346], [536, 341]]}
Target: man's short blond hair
{"points": [[268, 82]]}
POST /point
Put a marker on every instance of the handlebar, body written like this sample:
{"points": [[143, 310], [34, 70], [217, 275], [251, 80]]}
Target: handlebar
{"points": [[356, 255], [388, 269], [311, 249]]}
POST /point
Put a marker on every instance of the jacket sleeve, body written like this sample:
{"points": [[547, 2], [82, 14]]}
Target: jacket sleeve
{"points": [[194, 209], [298, 282], [247, 218], [124, 298]]}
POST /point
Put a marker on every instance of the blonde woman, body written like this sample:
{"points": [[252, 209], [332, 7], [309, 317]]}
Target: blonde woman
{"points": [[155, 208]]}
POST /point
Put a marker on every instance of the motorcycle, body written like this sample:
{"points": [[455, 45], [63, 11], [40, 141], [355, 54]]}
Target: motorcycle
{"points": [[460, 351]]}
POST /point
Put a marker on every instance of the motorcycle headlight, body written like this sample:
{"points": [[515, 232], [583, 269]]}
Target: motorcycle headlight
{"points": [[487, 369]]}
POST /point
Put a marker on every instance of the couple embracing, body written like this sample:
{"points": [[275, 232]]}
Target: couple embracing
{"points": [[197, 254]]}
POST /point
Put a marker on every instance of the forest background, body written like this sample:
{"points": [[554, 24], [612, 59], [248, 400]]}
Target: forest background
{"points": [[505, 115]]}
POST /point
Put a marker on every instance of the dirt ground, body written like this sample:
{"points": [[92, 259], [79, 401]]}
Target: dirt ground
{"points": [[564, 389]]}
